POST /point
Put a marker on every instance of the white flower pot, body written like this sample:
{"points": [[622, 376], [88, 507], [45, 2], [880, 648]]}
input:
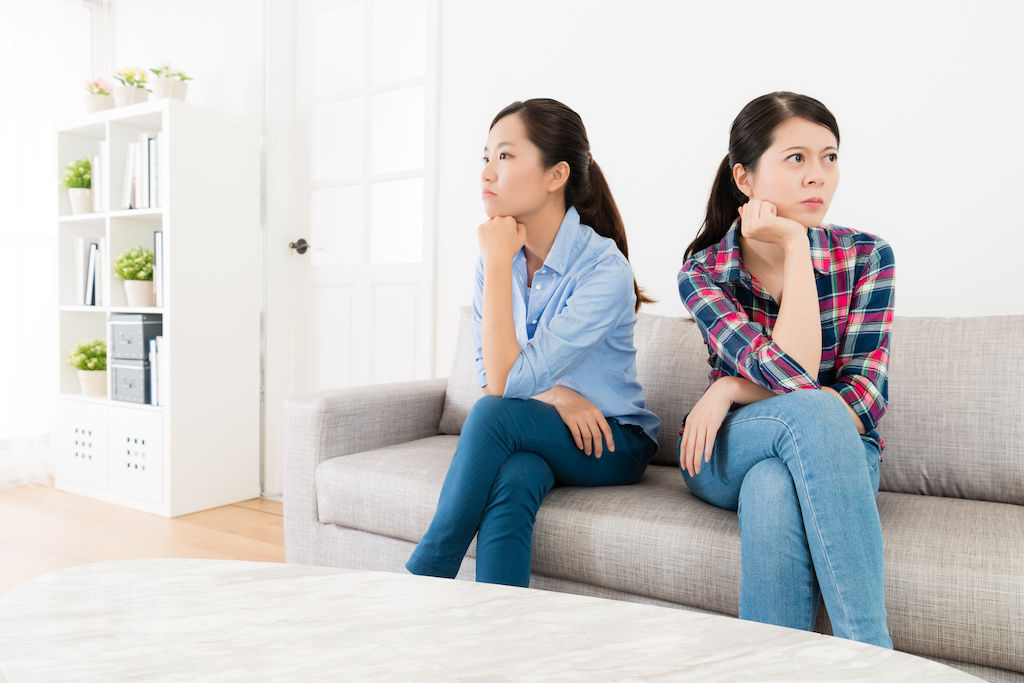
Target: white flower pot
{"points": [[81, 199], [139, 292], [162, 87], [95, 102], [180, 88], [124, 95], [93, 382]]}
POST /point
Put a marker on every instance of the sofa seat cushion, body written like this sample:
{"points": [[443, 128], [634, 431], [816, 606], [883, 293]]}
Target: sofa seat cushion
{"points": [[954, 568]]}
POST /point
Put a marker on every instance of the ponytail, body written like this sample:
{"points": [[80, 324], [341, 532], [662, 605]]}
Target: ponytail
{"points": [[597, 209], [723, 208]]}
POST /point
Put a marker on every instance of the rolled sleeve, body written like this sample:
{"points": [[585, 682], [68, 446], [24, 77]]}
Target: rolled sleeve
{"points": [[863, 377], [600, 299], [478, 307], [731, 335]]}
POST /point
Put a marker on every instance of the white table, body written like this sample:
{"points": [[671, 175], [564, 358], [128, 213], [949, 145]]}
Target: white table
{"points": [[213, 620]]}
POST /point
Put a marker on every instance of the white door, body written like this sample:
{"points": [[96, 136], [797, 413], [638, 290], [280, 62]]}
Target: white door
{"points": [[350, 170]]}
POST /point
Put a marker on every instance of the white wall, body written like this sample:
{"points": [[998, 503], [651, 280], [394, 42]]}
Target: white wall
{"points": [[929, 98], [218, 43]]}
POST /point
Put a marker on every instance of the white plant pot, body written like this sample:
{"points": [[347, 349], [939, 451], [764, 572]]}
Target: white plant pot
{"points": [[81, 199], [93, 382], [95, 102], [180, 88], [124, 95], [162, 88], [139, 293]]}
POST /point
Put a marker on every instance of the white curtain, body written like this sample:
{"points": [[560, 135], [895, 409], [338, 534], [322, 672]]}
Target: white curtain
{"points": [[45, 57]]}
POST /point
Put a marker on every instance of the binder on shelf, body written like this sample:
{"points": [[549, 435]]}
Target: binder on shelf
{"points": [[154, 374]]}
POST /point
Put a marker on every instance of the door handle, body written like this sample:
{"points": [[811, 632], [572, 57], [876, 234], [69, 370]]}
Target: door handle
{"points": [[300, 246]]}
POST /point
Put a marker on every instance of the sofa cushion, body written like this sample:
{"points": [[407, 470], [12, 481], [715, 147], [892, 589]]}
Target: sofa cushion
{"points": [[955, 421], [953, 427], [953, 567]]}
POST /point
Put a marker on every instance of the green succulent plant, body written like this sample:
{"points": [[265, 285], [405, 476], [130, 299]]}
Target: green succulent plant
{"points": [[135, 264], [78, 174], [89, 355]]}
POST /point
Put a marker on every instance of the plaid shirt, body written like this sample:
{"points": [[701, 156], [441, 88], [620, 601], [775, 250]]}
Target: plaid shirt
{"points": [[854, 273]]}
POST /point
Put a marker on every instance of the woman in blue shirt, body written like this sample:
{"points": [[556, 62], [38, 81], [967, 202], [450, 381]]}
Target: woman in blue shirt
{"points": [[554, 307]]}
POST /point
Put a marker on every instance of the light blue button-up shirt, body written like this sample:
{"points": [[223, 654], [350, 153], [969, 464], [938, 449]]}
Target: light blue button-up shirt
{"points": [[574, 325]]}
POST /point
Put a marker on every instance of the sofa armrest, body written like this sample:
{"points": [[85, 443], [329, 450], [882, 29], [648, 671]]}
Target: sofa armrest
{"points": [[328, 424]]}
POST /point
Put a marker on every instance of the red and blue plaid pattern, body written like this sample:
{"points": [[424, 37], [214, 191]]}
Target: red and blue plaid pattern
{"points": [[855, 275]]}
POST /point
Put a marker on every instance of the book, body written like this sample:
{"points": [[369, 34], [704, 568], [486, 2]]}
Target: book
{"points": [[90, 276], [80, 259], [102, 266], [128, 187], [151, 172]]}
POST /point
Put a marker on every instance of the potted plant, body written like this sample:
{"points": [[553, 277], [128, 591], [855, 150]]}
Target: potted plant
{"points": [[169, 83], [132, 88], [97, 96], [90, 359], [135, 267], [78, 179]]}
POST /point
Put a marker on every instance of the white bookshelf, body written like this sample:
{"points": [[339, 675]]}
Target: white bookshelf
{"points": [[200, 448]]}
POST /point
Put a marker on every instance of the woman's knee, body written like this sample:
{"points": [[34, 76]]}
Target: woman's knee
{"points": [[768, 500], [523, 475]]}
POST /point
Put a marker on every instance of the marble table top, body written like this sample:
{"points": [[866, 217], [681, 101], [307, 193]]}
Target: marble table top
{"points": [[215, 620]]}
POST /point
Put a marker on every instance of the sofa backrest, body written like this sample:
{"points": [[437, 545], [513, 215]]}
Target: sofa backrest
{"points": [[954, 425]]}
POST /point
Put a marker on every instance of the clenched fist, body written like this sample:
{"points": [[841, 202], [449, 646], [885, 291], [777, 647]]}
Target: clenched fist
{"points": [[500, 238], [760, 220]]}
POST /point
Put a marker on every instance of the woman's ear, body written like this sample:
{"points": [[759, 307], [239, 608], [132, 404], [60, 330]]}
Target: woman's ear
{"points": [[558, 176], [743, 180]]}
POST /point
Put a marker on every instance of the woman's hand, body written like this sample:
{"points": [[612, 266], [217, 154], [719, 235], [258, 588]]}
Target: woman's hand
{"points": [[702, 426], [585, 421], [760, 221], [500, 238]]}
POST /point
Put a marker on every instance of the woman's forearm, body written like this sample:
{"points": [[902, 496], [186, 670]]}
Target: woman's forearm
{"points": [[744, 392], [798, 327], [497, 332]]}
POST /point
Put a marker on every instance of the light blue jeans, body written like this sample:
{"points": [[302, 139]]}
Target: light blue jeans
{"points": [[805, 485]]}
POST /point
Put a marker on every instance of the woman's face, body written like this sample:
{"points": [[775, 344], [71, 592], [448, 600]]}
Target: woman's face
{"points": [[513, 180], [798, 173]]}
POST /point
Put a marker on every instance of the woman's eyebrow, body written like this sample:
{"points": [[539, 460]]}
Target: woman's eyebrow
{"points": [[509, 144], [804, 149]]}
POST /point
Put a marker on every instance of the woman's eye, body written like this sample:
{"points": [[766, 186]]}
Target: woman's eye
{"points": [[833, 158], [483, 159], [796, 157], [503, 155]]}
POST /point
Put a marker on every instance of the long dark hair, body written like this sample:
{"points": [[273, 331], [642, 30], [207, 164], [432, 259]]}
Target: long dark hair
{"points": [[559, 134], [751, 134]]}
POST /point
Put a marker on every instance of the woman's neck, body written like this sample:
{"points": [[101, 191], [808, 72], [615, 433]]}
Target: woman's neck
{"points": [[541, 229]]}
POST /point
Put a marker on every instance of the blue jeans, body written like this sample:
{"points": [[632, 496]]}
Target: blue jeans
{"points": [[805, 485], [510, 454]]}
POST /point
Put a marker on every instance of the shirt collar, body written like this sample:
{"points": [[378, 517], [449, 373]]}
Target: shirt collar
{"points": [[728, 260], [560, 255]]}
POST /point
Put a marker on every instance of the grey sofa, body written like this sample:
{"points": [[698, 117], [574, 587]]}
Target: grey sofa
{"points": [[364, 466]]}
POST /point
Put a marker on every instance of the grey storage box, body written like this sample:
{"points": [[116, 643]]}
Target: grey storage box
{"points": [[130, 334], [130, 380]]}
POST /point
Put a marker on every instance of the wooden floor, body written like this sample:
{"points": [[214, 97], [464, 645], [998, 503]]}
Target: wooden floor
{"points": [[43, 529]]}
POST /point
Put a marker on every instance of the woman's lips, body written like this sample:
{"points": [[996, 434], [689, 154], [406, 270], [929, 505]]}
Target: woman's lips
{"points": [[813, 203], [487, 194]]}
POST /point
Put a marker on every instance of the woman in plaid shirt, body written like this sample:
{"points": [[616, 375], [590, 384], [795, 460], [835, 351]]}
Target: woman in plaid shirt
{"points": [[797, 318]]}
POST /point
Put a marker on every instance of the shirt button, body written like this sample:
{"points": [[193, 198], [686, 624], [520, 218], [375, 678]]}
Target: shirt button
{"points": [[536, 286], [534, 322]]}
